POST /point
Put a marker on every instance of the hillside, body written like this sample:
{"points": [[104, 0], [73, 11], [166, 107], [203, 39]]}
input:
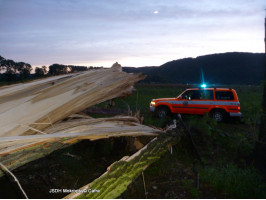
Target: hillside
{"points": [[225, 68]]}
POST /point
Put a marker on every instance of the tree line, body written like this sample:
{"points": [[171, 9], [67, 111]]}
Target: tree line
{"points": [[11, 71]]}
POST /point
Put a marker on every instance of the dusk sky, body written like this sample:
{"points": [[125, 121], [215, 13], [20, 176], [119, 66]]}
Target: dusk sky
{"points": [[132, 32]]}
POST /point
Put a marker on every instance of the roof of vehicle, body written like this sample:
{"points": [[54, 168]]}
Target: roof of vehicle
{"points": [[210, 89]]}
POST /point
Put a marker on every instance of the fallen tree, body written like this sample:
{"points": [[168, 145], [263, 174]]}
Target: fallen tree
{"points": [[26, 108], [121, 173], [31, 114], [19, 150], [32, 126]]}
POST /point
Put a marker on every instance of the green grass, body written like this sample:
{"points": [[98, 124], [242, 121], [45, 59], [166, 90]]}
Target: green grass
{"points": [[237, 137], [250, 98], [233, 182], [218, 144]]}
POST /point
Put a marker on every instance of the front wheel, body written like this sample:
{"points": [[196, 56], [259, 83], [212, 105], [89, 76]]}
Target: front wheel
{"points": [[163, 112], [218, 115]]}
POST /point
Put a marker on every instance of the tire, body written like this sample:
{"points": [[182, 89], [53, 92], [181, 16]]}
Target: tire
{"points": [[218, 115], [163, 112]]}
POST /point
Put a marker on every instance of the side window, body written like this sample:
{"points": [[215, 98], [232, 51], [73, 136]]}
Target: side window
{"points": [[188, 94], [198, 95], [224, 95], [206, 94]]}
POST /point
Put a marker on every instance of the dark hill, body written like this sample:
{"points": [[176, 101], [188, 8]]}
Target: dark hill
{"points": [[225, 68]]}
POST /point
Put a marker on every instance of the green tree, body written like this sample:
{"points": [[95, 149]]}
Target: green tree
{"points": [[57, 69], [23, 69], [9, 68], [77, 68], [39, 71]]}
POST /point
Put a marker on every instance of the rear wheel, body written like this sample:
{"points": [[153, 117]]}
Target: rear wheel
{"points": [[218, 115], [163, 112]]}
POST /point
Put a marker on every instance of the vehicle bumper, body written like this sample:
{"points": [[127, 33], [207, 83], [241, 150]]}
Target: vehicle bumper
{"points": [[239, 114], [152, 109]]}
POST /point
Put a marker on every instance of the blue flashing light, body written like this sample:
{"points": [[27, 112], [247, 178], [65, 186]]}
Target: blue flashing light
{"points": [[203, 85]]}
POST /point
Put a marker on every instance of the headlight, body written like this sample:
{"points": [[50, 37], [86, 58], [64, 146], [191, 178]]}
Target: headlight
{"points": [[152, 103]]}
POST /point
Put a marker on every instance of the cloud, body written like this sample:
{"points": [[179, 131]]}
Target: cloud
{"points": [[67, 31]]}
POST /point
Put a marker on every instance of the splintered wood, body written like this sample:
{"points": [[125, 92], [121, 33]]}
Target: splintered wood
{"points": [[18, 150], [26, 108], [78, 129], [31, 114]]}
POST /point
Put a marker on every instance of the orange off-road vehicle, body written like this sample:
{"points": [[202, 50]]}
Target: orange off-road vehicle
{"points": [[217, 102]]}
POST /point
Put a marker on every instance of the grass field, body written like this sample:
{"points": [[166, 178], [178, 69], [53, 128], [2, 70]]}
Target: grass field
{"points": [[226, 149]]}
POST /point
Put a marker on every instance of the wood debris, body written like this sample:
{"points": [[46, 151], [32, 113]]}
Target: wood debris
{"points": [[26, 108], [31, 114]]}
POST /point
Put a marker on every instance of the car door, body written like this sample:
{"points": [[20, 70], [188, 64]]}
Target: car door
{"points": [[191, 105], [195, 101], [201, 101], [182, 104]]}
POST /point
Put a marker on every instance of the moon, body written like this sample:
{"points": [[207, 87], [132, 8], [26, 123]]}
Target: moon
{"points": [[155, 12]]}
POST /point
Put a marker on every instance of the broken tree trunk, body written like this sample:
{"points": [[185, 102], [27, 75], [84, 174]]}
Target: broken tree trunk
{"points": [[121, 173], [25, 108], [19, 150], [31, 113], [31, 124]]}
